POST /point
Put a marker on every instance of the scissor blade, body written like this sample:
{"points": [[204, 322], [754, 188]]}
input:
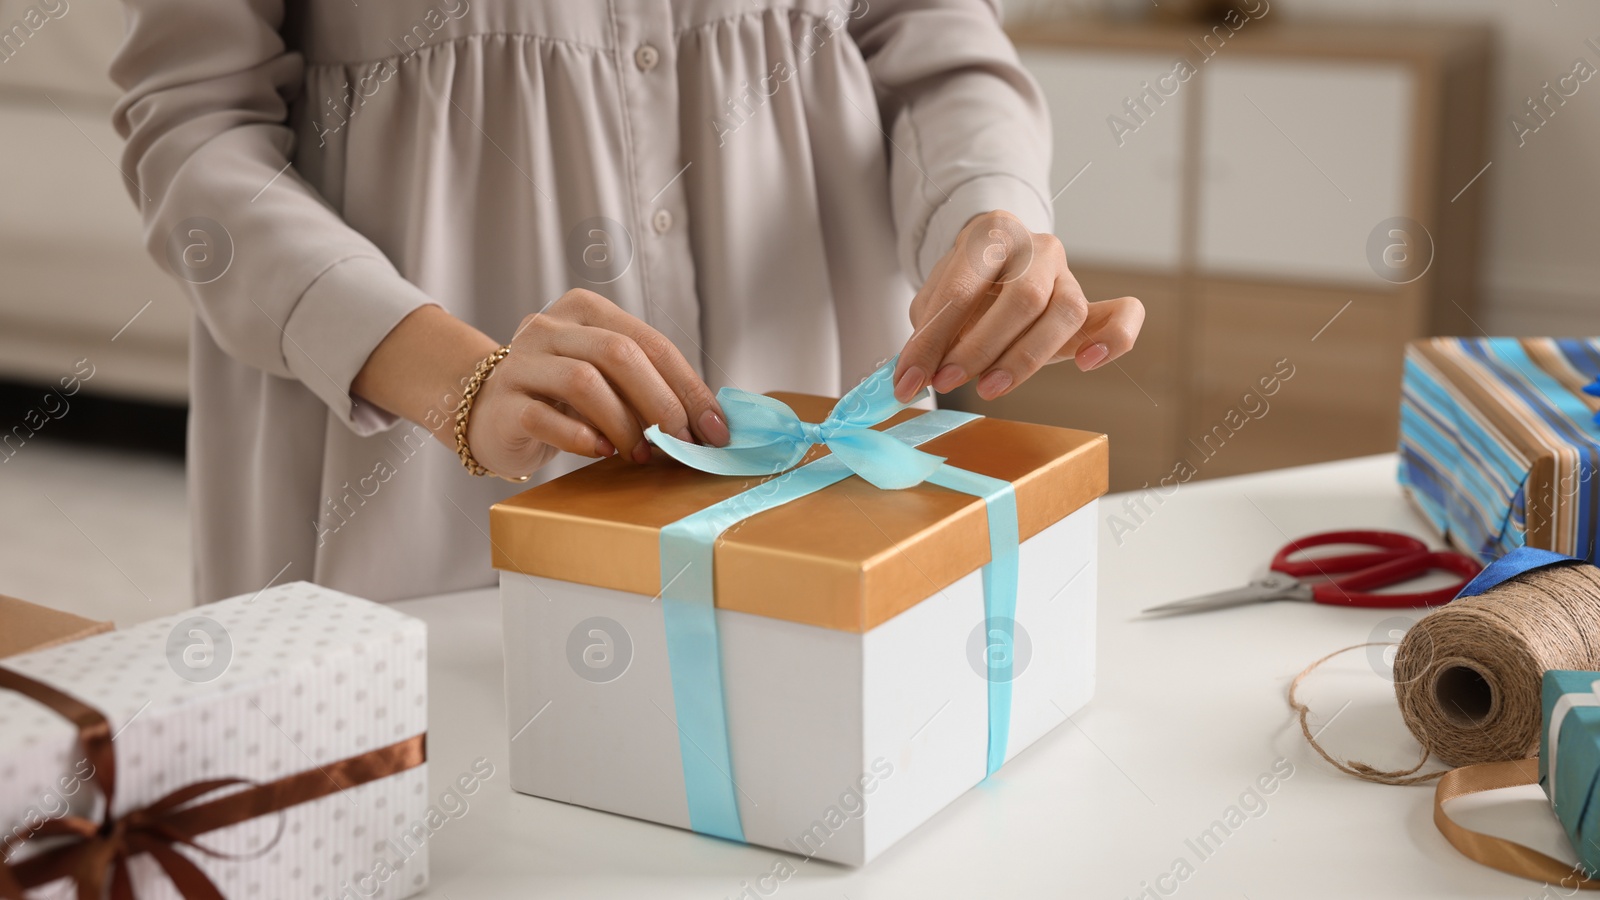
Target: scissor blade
{"points": [[1272, 587]]}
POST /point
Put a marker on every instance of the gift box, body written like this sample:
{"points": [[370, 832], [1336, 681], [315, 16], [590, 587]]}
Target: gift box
{"points": [[1569, 757], [1498, 444], [27, 626], [283, 732], [805, 659]]}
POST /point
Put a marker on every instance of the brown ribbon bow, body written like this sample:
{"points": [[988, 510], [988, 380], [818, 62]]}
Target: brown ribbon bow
{"points": [[97, 854]]}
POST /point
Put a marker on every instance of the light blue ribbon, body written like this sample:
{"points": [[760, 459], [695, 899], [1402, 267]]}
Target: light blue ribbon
{"points": [[767, 438]]}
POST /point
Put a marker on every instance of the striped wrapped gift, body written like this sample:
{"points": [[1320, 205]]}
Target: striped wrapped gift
{"points": [[1498, 442]]}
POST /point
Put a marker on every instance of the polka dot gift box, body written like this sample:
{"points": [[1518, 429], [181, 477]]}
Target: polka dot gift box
{"points": [[282, 732]]}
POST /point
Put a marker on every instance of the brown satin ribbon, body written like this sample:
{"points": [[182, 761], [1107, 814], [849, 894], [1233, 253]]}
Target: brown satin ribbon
{"points": [[102, 850], [1497, 852]]}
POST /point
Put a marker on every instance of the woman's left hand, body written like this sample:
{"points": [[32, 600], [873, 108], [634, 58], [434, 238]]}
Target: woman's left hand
{"points": [[1001, 305]]}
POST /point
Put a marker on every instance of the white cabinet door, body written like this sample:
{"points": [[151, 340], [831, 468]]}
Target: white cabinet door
{"points": [[1300, 162], [1115, 187]]}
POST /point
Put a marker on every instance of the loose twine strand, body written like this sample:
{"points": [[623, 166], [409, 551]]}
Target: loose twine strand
{"points": [[1355, 767], [1467, 676]]}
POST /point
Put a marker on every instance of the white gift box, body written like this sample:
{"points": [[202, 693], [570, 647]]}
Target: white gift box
{"points": [[261, 687], [842, 739]]}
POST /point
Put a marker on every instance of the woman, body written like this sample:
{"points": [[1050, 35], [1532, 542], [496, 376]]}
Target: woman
{"points": [[643, 199]]}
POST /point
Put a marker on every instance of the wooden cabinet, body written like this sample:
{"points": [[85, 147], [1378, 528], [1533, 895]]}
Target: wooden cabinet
{"points": [[1341, 397], [1292, 204]]}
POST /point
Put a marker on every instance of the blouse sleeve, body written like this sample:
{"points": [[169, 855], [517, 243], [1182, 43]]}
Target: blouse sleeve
{"points": [[208, 156], [968, 126]]}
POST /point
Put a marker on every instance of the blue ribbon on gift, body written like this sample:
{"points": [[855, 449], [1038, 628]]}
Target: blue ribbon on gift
{"points": [[768, 438], [1517, 562], [1593, 390]]}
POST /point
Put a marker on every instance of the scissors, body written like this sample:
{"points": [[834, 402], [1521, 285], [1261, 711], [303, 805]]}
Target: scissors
{"points": [[1389, 558]]}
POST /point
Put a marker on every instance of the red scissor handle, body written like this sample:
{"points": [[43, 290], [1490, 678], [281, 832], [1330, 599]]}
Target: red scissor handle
{"points": [[1350, 590], [1389, 546]]}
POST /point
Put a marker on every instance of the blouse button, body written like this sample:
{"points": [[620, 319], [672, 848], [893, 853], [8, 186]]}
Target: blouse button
{"points": [[646, 57], [662, 221]]}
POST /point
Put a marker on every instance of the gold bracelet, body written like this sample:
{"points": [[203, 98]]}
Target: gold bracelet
{"points": [[464, 413]]}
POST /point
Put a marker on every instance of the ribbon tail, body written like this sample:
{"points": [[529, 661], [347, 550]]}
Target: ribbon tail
{"points": [[873, 400], [122, 882], [94, 861], [1491, 850], [779, 453], [190, 880]]}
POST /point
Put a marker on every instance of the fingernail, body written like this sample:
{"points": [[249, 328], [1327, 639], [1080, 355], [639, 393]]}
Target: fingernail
{"points": [[1093, 356], [603, 448], [994, 384], [909, 383], [684, 435], [948, 379], [714, 429], [641, 452]]}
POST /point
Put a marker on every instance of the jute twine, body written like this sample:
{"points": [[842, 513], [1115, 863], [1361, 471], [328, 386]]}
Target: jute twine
{"points": [[1467, 676]]}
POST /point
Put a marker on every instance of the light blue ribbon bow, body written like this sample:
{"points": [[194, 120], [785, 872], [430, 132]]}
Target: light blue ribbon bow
{"points": [[768, 438]]}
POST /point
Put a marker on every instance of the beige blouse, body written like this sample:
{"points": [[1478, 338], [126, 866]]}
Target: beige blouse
{"points": [[764, 182]]}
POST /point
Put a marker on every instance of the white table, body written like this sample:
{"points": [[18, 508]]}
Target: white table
{"points": [[1189, 712]]}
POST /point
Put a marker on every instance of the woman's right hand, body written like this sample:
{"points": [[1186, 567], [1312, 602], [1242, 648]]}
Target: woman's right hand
{"points": [[582, 376]]}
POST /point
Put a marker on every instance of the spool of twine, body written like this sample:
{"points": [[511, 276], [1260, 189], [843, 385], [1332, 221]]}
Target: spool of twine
{"points": [[1468, 675]]}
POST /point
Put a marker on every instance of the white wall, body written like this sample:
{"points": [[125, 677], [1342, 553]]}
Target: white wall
{"points": [[1542, 274], [1542, 268]]}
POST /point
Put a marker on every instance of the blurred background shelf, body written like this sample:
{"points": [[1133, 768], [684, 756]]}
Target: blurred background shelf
{"points": [[78, 283], [1238, 207], [1233, 179]]}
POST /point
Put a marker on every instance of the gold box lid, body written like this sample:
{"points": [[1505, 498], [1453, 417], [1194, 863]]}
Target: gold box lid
{"points": [[848, 557]]}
